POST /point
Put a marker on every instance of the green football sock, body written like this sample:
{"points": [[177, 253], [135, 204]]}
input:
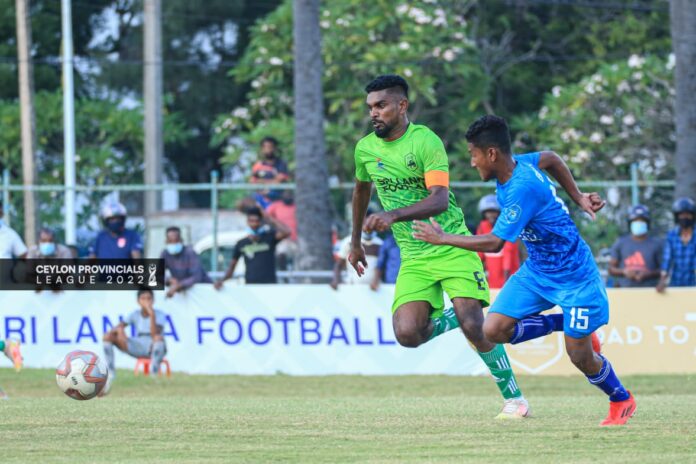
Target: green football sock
{"points": [[444, 323], [499, 365], [2, 345]]}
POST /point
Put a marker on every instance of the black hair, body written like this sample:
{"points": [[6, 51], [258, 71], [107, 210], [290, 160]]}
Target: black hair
{"points": [[490, 131], [270, 139], [254, 211], [388, 81], [143, 291], [176, 229], [48, 231]]}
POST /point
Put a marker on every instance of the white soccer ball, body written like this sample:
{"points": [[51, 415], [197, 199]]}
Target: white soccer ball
{"points": [[82, 375]]}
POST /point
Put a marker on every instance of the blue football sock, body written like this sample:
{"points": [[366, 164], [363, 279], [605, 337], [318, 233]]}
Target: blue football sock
{"points": [[608, 382], [533, 327]]}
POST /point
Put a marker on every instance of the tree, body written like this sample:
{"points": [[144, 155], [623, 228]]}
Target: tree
{"points": [[312, 176], [620, 115], [683, 21]]}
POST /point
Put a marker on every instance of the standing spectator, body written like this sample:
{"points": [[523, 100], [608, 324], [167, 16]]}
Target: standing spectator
{"points": [[679, 255], [388, 262], [48, 248], [115, 241], [183, 264], [270, 169], [11, 245], [258, 249], [284, 210], [372, 243], [635, 258], [149, 336], [501, 265]]}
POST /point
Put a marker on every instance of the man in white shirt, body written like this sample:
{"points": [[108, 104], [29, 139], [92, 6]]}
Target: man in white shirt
{"points": [[11, 245]]}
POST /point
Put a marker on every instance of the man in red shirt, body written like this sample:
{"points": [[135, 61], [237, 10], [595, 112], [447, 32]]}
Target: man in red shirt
{"points": [[501, 265], [283, 210]]}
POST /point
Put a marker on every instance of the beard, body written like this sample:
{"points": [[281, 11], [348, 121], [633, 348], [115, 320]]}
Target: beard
{"points": [[383, 131]]}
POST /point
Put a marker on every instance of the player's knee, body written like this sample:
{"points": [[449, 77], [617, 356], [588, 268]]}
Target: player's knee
{"points": [[494, 331], [407, 335], [581, 358], [471, 326]]}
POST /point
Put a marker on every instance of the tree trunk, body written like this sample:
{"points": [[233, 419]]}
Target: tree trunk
{"points": [[28, 120], [683, 23], [312, 173]]}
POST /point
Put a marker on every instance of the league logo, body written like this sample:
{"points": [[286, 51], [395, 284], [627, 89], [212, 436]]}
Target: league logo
{"points": [[513, 213], [152, 280]]}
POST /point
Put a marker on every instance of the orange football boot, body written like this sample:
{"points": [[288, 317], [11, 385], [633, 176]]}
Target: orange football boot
{"points": [[620, 411]]}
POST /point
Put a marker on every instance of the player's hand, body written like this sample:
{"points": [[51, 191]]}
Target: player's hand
{"points": [[430, 232], [357, 259], [591, 203], [379, 221]]}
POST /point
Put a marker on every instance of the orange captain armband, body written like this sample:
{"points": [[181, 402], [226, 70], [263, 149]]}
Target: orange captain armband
{"points": [[436, 178]]}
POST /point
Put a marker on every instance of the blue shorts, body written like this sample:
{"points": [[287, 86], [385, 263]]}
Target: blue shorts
{"points": [[585, 305]]}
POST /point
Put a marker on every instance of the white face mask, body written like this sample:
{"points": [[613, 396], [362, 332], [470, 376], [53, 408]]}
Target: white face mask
{"points": [[639, 228]]}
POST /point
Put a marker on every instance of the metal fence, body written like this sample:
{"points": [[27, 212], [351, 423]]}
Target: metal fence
{"points": [[468, 193]]}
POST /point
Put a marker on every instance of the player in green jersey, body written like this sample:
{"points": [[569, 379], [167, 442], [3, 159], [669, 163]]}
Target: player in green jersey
{"points": [[409, 166]]}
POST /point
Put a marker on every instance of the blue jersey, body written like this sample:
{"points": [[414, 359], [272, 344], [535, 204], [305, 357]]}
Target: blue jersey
{"points": [[531, 211]]}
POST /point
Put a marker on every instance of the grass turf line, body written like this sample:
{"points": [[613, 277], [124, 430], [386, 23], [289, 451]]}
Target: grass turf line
{"points": [[340, 419]]}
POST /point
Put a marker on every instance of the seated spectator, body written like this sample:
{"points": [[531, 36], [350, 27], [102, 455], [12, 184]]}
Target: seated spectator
{"points": [[183, 264], [636, 258], [11, 245], [115, 241], [258, 249], [147, 342], [283, 210], [270, 169], [501, 265], [48, 248], [371, 242], [388, 262], [679, 255]]}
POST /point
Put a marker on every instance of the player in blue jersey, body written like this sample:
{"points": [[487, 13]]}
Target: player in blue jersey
{"points": [[560, 269]]}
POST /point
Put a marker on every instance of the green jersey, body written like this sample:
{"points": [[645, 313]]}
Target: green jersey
{"points": [[398, 169]]}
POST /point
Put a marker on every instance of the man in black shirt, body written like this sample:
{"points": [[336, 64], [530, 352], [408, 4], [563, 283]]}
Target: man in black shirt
{"points": [[258, 249]]}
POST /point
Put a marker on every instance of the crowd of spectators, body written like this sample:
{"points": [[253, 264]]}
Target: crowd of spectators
{"points": [[637, 259]]}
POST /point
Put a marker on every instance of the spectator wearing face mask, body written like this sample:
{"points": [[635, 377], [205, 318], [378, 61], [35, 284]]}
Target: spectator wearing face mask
{"points": [[257, 249], [636, 258], [115, 241], [48, 248], [679, 255], [181, 263]]}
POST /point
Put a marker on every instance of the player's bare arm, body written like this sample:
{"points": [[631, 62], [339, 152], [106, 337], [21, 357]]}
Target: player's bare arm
{"points": [[435, 203], [431, 232], [361, 199], [554, 165]]}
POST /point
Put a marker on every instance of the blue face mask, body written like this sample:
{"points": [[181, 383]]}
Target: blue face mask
{"points": [[251, 231], [175, 248], [639, 228], [47, 248]]}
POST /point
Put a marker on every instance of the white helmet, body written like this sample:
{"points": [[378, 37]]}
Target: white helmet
{"points": [[488, 203], [112, 209]]}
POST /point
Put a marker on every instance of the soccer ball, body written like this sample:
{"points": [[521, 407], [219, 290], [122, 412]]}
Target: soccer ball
{"points": [[82, 375]]}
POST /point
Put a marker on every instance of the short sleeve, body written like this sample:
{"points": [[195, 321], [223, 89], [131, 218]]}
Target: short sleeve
{"points": [[137, 242], [529, 158], [361, 173], [433, 154], [18, 246], [615, 252], [131, 319], [519, 210]]}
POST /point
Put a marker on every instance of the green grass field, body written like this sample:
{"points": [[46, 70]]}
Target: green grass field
{"points": [[339, 419]]}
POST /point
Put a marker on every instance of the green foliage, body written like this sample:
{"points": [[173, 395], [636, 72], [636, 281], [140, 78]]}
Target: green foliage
{"points": [[108, 140], [361, 39]]}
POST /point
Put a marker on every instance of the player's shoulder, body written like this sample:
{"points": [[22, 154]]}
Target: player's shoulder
{"points": [[366, 141], [423, 132]]}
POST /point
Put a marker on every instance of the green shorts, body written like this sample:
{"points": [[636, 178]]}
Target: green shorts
{"points": [[458, 272]]}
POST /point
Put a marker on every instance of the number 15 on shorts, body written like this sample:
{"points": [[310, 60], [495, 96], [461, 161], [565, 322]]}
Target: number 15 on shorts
{"points": [[579, 320]]}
